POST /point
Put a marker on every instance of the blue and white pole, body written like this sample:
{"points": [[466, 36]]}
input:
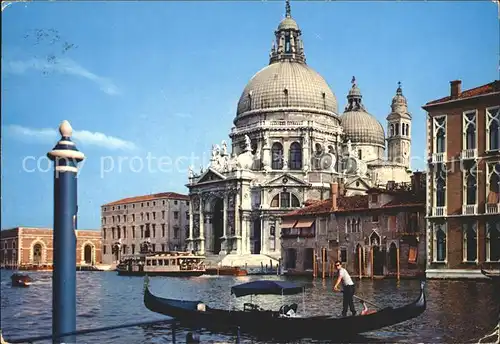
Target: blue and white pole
{"points": [[66, 158]]}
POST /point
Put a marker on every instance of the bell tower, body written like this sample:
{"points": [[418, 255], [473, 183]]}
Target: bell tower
{"points": [[399, 130]]}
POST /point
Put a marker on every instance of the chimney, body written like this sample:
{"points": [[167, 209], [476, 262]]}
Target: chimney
{"points": [[416, 181], [334, 191], [455, 88]]}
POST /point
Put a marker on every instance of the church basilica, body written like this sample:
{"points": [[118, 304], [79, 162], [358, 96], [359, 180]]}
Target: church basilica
{"points": [[288, 143]]}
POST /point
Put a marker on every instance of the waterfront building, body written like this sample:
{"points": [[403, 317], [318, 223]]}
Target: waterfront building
{"points": [[32, 246], [151, 223], [288, 143], [463, 202], [377, 234]]}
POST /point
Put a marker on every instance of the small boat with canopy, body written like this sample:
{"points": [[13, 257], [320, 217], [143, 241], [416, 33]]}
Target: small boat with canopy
{"points": [[285, 322]]}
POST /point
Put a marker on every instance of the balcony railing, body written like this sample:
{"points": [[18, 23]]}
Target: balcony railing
{"points": [[469, 154], [438, 158], [469, 209], [439, 211], [492, 208]]}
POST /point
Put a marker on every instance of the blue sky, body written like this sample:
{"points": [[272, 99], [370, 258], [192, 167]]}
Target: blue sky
{"points": [[162, 79]]}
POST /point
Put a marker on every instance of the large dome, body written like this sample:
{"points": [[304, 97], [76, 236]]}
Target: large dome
{"points": [[287, 84]]}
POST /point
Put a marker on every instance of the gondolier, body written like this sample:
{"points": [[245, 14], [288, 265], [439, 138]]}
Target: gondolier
{"points": [[347, 288]]}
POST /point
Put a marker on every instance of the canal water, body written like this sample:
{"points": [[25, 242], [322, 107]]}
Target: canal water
{"points": [[457, 311]]}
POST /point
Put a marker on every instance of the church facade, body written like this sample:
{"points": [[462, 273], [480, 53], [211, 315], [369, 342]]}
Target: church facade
{"points": [[289, 142]]}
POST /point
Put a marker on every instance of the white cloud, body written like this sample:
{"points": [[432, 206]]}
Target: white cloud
{"points": [[62, 66], [81, 136]]}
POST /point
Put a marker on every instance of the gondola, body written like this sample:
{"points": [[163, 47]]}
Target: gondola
{"points": [[20, 280], [495, 276], [276, 324]]}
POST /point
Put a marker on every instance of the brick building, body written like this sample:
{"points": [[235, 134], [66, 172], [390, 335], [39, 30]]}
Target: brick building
{"points": [[366, 232], [150, 223], [25, 246], [463, 200]]}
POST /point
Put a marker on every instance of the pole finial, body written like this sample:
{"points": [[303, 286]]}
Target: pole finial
{"points": [[399, 91], [65, 129], [288, 10], [353, 80]]}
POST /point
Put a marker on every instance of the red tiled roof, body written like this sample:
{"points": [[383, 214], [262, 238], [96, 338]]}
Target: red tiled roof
{"points": [[406, 200], [473, 92], [359, 203], [169, 195], [318, 207], [352, 203], [344, 203], [309, 202]]}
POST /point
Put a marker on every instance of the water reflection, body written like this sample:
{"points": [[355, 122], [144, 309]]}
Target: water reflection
{"points": [[457, 311]]}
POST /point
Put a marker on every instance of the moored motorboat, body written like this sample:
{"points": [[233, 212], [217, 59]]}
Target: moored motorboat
{"points": [[226, 271], [495, 276], [276, 324], [175, 264], [20, 280]]}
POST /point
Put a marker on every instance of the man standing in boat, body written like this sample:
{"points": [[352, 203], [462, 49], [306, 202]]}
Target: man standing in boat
{"points": [[347, 288]]}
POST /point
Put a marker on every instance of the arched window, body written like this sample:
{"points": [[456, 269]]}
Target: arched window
{"points": [[493, 128], [348, 226], [295, 156], [470, 242], [285, 200], [440, 243], [277, 156], [440, 186], [494, 183], [407, 130], [392, 129], [471, 187], [493, 241], [37, 254], [440, 129], [403, 127], [470, 130]]}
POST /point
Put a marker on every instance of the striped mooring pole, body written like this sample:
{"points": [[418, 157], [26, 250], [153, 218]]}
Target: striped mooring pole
{"points": [[66, 158]]}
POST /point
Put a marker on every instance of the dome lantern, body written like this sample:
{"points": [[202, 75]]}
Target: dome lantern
{"points": [[354, 98], [288, 43]]}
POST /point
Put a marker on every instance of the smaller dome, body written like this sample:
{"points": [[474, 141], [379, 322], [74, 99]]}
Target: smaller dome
{"points": [[360, 126], [288, 24]]}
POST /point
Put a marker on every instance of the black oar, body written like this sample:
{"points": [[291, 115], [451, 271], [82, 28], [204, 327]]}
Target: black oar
{"points": [[368, 302]]}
